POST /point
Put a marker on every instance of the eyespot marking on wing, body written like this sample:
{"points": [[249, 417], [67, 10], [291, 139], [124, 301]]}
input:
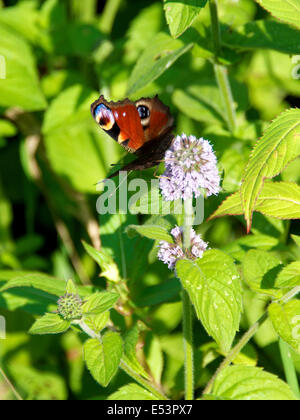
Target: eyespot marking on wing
{"points": [[104, 117]]}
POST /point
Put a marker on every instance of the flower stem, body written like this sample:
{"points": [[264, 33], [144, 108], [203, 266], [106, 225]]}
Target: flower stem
{"points": [[187, 309], [245, 339], [146, 384], [289, 367], [220, 71]]}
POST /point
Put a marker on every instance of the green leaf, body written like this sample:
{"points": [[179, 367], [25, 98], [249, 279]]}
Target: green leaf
{"points": [[38, 281], [231, 206], [288, 11], [239, 248], [286, 321], [7, 129], [277, 199], [50, 324], [250, 383], [103, 358], [296, 239], [68, 130], [181, 14], [154, 356], [278, 147], [130, 357], [260, 269], [265, 34], [97, 322], [203, 101], [158, 57], [71, 288], [289, 277], [100, 302], [280, 200], [214, 288], [20, 85], [150, 231], [132, 392], [109, 268], [21, 17]]}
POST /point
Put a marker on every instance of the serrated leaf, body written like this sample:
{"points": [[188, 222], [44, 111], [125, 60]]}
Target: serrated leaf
{"points": [[288, 11], [181, 14], [286, 321], [100, 302], [97, 322], [289, 277], [109, 268], [132, 392], [19, 82], [260, 269], [50, 324], [277, 199], [158, 57], [214, 288], [155, 232], [277, 148], [103, 358], [250, 383]]}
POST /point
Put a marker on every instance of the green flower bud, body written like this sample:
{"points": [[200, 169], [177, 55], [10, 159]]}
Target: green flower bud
{"points": [[70, 307]]}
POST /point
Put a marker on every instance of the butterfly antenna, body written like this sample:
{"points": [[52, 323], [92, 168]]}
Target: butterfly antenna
{"points": [[118, 187]]}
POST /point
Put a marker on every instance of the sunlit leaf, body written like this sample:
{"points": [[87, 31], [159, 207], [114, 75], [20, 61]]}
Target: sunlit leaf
{"points": [[288, 11], [286, 321], [278, 147], [250, 383], [214, 288]]}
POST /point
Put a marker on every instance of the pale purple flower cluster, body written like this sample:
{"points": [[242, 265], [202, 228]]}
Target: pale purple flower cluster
{"points": [[191, 169], [171, 253]]}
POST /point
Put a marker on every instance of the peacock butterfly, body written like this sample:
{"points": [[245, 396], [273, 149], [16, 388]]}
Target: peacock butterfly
{"points": [[143, 127]]}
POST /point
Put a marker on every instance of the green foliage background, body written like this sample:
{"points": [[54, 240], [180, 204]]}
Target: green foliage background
{"points": [[59, 55]]}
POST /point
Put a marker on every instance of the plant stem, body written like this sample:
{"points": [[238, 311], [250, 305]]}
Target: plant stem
{"points": [[146, 384], [245, 339], [215, 27], [235, 351], [108, 16], [188, 310], [220, 71], [226, 93], [13, 389], [188, 345], [289, 367]]}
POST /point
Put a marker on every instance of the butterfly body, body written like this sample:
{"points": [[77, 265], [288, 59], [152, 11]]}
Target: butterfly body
{"points": [[143, 127]]}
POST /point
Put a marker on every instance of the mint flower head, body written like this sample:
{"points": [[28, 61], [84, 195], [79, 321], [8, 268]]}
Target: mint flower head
{"points": [[191, 169], [170, 253], [70, 307]]}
